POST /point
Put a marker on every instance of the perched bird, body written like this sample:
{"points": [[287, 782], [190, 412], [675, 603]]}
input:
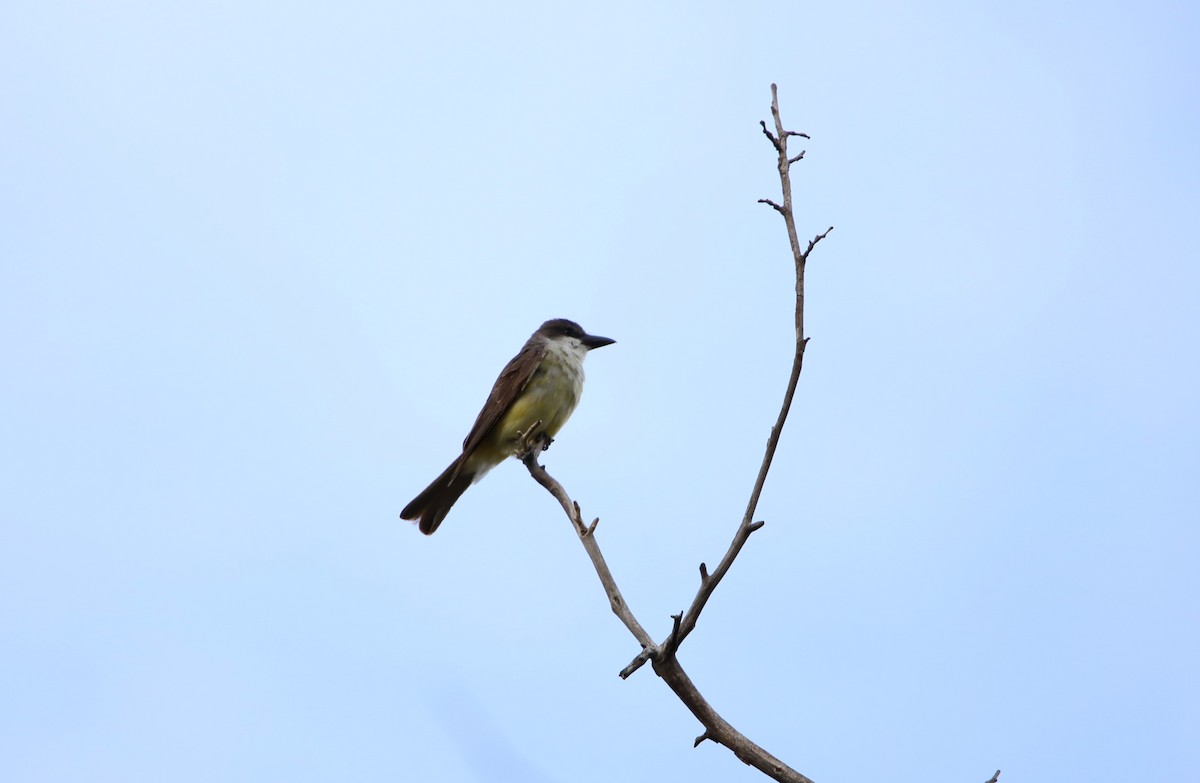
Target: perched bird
{"points": [[542, 384]]}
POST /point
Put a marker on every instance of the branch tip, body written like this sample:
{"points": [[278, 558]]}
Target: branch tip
{"points": [[755, 526], [645, 655], [701, 738], [673, 638], [769, 135], [773, 205], [703, 572], [813, 243]]}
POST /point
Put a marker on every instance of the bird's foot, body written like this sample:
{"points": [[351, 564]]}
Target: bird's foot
{"points": [[532, 441]]}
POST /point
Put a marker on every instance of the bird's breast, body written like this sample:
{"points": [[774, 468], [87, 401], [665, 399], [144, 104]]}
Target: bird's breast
{"points": [[550, 396]]}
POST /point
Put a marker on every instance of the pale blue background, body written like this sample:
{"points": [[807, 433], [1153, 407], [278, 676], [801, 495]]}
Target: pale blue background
{"points": [[261, 263]]}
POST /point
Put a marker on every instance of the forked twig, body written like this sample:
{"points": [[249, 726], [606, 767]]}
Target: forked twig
{"points": [[709, 582], [663, 656]]}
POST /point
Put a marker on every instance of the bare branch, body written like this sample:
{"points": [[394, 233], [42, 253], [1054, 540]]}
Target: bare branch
{"points": [[638, 662], [718, 729], [662, 657], [993, 778], [672, 643], [666, 665], [615, 599], [813, 242], [747, 526], [768, 134]]}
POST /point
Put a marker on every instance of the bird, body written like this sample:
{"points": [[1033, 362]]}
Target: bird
{"points": [[531, 400]]}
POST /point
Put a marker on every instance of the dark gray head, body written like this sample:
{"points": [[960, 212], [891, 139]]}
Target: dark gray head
{"points": [[558, 328]]}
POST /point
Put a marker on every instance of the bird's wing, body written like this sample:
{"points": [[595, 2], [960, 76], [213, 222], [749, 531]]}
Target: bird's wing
{"points": [[512, 380]]}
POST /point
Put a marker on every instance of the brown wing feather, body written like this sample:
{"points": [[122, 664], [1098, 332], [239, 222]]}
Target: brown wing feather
{"points": [[512, 380]]}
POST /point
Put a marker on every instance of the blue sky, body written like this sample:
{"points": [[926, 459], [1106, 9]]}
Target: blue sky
{"points": [[260, 264]]}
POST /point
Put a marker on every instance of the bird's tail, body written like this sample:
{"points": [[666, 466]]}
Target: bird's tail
{"points": [[434, 502]]}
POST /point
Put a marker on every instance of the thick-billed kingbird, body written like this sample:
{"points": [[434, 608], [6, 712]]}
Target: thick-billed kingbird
{"points": [[540, 386]]}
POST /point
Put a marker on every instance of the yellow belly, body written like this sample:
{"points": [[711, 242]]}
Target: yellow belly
{"points": [[550, 397]]}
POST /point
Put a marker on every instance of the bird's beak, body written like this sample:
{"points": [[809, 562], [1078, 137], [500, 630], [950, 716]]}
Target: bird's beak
{"points": [[592, 341]]}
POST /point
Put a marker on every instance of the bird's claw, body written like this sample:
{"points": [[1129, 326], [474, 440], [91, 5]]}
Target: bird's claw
{"points": [[532, 440]]}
